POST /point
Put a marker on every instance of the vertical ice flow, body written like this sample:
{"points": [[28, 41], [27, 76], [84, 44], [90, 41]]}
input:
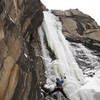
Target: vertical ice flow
{"points": [[65, 64]]}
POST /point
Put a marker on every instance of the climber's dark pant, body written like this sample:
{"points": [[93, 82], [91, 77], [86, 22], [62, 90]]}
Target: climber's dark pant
{"points": [[59, 89]]}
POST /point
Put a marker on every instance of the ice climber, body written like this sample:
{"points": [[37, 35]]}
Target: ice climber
{"points": [[59, 88]]}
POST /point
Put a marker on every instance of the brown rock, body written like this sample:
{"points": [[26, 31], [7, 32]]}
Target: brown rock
{"points": [[3, 51], [1, 30], [69, 25], [76, 12], [76, 24], [13, 80], [94, 34], [5, 75], [14, 47], [58, 12], [68, 13], [19, 19]]}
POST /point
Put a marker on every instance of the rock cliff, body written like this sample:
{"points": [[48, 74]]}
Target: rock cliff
{"points": [[20, 59], [79, 27]]}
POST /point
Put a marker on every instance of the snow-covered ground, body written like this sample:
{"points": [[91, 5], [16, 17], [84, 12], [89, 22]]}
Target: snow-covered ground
{"points": [[76, 85]]}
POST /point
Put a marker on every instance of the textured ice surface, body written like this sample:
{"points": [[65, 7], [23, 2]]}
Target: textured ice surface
{"points": [[76, 85]]}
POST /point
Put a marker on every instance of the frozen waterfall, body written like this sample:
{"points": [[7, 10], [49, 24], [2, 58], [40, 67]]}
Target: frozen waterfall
{"points": [[64, 65]]}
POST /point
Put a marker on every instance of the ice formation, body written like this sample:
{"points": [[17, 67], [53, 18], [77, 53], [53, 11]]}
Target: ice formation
{"points": [[75, 85]]}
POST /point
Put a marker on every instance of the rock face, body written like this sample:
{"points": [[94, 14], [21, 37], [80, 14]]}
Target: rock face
{"points": [[20, 72], [76, 22], [79, 27]]}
